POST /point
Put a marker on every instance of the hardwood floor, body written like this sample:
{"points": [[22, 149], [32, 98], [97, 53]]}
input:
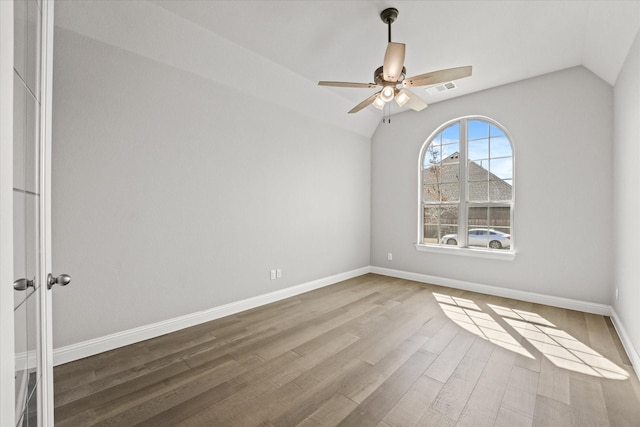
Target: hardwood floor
{"points": [[369, 351]]}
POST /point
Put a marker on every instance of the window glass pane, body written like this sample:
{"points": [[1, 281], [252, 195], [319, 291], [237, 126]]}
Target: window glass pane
{"points": [[501, 168], [449, 172], [478, 170], [431, 193], [490, 227], [433, 156], [441, 153], [450, 235], [494, 131], [478, 191], [431, 224], [431, 175], [450, 175], [449, 192], [451, 133], [500, 223], [477, 129], [443, 145], [441, 192], [449, 217], [439, 221], [478, 149], [451, 152], [477, 226], [500, 190], [500, 147], [500, 218], [478, 217], [478, 240]]}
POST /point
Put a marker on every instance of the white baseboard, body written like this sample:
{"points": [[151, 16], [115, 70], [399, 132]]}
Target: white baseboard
{"points": [[109, 342], [571, 304], [626, 342]]}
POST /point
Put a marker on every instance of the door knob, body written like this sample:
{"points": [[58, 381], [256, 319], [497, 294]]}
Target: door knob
{"points": [[22, 284], [62, 280]]}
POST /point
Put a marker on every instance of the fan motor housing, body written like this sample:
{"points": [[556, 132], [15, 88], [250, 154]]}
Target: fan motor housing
{"points": [[378, 76]]}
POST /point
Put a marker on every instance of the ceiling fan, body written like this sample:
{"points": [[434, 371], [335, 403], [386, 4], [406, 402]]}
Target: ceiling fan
{"points": [[392, 73]]}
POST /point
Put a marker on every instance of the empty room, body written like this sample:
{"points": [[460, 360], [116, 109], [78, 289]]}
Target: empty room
{"points": [[319, 213]]}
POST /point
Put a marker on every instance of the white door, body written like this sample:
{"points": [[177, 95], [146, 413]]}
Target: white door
{"points": [[31, 160]]}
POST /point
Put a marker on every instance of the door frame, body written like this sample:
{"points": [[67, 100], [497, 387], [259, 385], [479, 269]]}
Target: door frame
{"points": [[7, 349], [7, 332], [46, 310]]}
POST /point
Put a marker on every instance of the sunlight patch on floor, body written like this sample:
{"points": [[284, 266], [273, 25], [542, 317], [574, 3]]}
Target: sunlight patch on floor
{"points": [[562, 349], [466, 314]]}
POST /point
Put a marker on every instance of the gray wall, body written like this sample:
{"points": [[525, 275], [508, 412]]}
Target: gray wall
{"points": [[174, 193], [626, 205], [562, 129]]}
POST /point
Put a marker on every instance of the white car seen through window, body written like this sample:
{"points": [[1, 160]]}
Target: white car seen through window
{"points": [[481, 237]]}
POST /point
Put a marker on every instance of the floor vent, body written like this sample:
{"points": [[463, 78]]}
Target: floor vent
{"points": [[434, 90]]}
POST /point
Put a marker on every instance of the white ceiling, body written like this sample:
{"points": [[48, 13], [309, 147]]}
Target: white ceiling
{"points": [[504, 41]]}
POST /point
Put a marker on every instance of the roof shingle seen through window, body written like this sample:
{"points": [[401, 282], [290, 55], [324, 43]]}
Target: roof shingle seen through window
{"points": [[483, 185]]}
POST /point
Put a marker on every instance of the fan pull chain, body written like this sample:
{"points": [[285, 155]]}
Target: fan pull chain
{"points": [[386, 114]]}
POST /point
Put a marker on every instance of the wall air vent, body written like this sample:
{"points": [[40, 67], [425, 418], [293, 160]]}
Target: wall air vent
{"points": [[434, 90]]}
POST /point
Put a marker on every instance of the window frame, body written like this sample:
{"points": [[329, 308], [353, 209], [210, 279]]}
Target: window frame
{"points": [[464, 204]]}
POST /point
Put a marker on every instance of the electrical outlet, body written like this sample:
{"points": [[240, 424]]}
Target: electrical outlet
{"points": [[273, 274], [278, 273], [390, 256]]}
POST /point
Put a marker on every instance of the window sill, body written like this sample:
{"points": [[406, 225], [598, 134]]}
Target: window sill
{"points": [[476, 253]]}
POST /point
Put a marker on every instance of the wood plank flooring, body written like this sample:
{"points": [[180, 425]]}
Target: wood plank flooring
{"points": [[370, 351]]}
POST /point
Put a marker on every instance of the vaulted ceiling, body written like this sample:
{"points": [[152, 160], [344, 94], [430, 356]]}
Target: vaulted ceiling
{"points": [[504, 41]]}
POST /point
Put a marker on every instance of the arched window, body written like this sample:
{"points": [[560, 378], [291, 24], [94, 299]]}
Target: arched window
{"points": [[467, 192]]}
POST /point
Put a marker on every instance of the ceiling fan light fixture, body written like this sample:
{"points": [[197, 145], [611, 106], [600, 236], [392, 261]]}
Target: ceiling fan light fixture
{"points": [[378, 102], [393, 73], [402, 98], [387, 93]]}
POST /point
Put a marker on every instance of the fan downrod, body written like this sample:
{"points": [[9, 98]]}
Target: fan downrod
{"points": [[389, 15]]}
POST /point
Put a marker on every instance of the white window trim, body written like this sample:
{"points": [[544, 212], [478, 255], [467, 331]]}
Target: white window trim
{"points": [[462, 249], [470, 252]]}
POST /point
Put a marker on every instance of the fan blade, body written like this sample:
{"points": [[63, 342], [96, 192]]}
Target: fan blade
{"points": [[415, 102], [347, 84], [436, 77], [364, 103], [393, 62]]}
